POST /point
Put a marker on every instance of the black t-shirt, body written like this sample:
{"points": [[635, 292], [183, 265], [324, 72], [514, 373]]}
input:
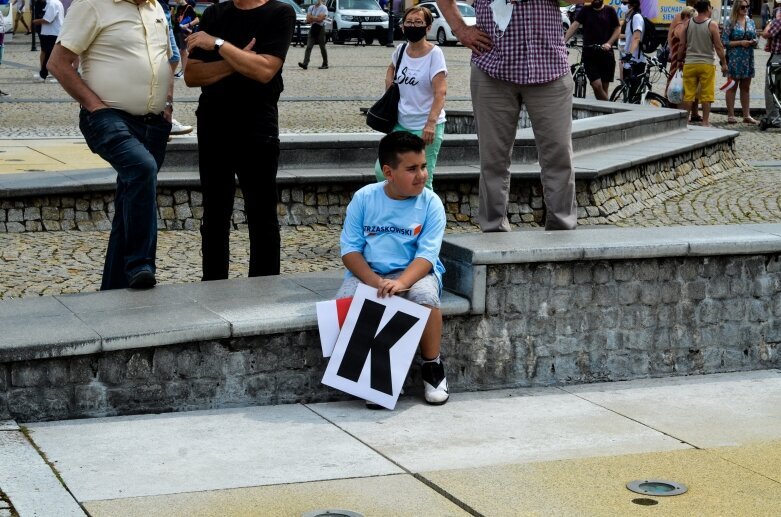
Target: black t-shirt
{"points": [[238, 98], [598, 26]]}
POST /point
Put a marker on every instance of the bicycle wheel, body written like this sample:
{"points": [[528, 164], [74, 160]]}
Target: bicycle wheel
{"points": [[619, 93], [580, 84], [655, 100]]}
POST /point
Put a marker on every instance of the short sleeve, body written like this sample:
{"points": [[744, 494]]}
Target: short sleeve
{"points": [[430, 239], [352, 238], [613, 19], [637, 23], [206, 25], [276, 41], [437, 63], [395, 55], [80, 27], [581, 16], [774, 28]]}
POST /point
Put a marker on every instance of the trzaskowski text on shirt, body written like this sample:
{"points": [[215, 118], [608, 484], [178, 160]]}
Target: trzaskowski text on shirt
{"points": [[391, 233], [251, 101]]}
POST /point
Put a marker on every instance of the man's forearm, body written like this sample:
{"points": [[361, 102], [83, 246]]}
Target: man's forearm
{"points": [[614, 36], [201, 73], [260, 67], [452, 15], [61, 66]]}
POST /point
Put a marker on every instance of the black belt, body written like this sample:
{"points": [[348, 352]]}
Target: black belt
{"points": [[148, 118]]}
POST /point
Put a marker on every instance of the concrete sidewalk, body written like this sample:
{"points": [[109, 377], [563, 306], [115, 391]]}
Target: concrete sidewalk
{"points": [[552, 451]]}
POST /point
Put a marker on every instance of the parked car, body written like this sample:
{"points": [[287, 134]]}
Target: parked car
{"points": [[347, 18], [301, 33], [440, 30]]}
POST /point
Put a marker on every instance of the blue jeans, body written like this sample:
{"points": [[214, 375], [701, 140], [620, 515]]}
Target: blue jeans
{"points": [[135, 148]]}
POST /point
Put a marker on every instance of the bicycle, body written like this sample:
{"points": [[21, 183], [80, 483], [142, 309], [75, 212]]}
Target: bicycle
{"points": [[653, 71], [578, 71]]}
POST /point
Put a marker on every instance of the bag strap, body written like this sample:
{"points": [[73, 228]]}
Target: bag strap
{"points": [[398, 61]]}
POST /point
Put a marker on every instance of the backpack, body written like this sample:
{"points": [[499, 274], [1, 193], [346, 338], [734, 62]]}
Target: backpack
{"points": [[649, 43]]}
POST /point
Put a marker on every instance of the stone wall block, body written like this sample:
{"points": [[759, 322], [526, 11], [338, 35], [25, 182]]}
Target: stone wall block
{"points": [[91, 399], [757, 310], [15, 215], [183, 211], [112, 369], [181, 197], [165, 200]]}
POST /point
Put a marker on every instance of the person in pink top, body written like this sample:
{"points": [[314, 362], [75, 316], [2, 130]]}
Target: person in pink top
{"points": [[519, 57]]}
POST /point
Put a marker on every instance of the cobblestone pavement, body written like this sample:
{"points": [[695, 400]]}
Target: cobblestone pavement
{"points": [[314, 101]]}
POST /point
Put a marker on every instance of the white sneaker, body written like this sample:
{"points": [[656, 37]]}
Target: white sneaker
{"points": [[434, 383], [178, 128], [38, 77], [52, 80]]}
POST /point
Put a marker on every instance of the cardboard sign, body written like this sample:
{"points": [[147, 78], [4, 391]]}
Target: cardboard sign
{"points": [[330, 318], [375, 348]]}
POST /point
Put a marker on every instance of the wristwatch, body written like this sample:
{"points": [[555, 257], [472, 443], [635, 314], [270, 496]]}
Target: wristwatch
{"points": [[218, 44], [169, 104]]}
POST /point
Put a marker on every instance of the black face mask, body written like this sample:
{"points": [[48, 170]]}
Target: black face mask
{"points": [[414, 34]]}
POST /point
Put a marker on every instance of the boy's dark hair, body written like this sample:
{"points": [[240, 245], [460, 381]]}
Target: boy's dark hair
{"points": [[635, 5], [702, 6], [396, 143]]}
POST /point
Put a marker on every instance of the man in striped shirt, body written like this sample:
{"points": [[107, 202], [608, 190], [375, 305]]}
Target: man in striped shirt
{"points": [[519, 57]]}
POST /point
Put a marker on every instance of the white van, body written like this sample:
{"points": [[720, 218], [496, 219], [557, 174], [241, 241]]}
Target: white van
{"points": [[346, 18]]}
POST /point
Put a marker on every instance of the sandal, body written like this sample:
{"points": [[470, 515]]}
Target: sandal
{"points": [[695, 118], [750, 120], [731, 120]]}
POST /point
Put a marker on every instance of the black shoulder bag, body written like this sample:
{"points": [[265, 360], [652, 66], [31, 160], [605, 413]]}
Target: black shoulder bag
{"points": [[382, 116]]}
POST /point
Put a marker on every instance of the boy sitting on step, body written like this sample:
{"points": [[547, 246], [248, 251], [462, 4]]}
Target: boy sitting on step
{"points": [[391, 239]]}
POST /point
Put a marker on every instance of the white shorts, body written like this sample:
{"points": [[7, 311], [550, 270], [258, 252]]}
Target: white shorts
{"points": [[424, 292]]}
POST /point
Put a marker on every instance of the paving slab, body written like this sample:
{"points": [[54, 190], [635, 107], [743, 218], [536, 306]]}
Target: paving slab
{"points": [[29, 483], [494, 428], [384, 496], [36, 337], [762, 457], [109, 458], [245, 304], [122, 328], [619, 244], [596, 487], [705, 411]]}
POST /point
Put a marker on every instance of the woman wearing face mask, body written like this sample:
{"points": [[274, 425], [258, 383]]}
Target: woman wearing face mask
{"points": [[422, 87]]}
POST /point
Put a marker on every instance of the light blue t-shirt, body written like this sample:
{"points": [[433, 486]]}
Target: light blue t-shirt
{"points": [[391, 233]]}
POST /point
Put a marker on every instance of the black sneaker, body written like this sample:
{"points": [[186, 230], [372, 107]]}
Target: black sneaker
{"points": [[434, 383], [142, 279], [324, 67], [302, 65]]}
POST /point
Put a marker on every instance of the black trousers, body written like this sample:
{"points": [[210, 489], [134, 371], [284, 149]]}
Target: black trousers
{"points": [[47, 45], [224, 153]]}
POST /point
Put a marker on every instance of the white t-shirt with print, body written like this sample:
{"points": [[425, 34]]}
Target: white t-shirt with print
{"points": [[415, 76], [636, 24]]}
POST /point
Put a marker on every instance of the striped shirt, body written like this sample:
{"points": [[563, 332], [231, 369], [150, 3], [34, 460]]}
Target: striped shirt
{"points": [[530, 50]]}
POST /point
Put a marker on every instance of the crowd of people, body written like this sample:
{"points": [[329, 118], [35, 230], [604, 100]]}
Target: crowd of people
{"points": [[125, 90]]}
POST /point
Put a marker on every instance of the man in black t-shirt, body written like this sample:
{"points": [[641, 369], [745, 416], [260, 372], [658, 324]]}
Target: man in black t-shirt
{"points": [[600, 27], [236, 58]]}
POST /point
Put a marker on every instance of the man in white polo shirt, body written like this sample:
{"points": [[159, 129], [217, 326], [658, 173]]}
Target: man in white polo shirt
{"points": [[126, 96], [51, 23]]}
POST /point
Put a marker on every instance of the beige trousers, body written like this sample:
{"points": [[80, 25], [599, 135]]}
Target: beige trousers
{"points": [[497, 107]]}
